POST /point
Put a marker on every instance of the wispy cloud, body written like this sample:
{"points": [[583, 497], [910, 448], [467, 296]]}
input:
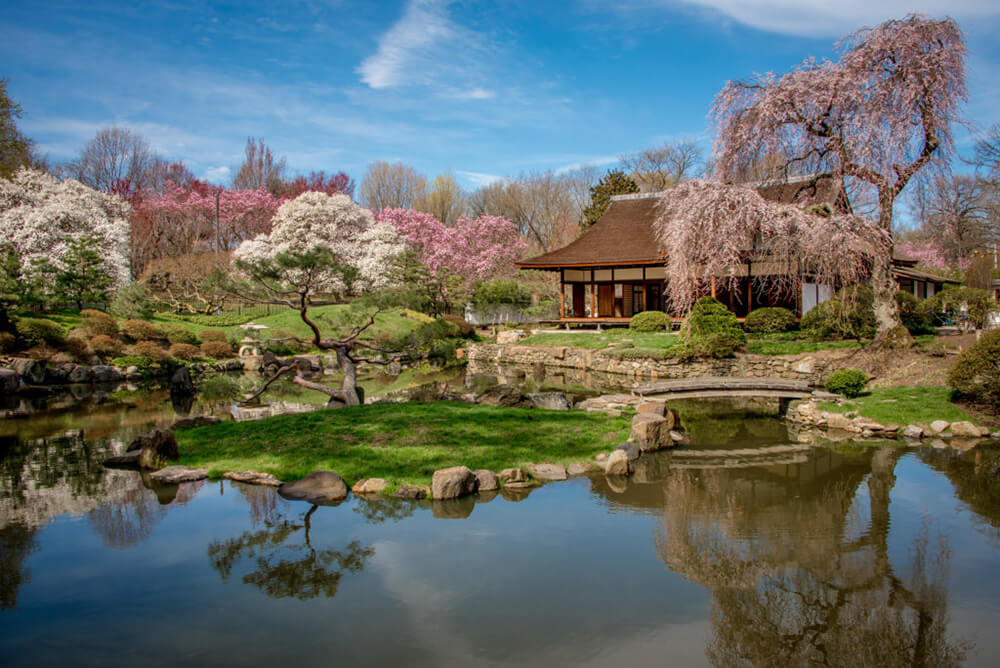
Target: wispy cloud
{"points": [[820, 18], [219, 174], [479, 179], [595, 161]]}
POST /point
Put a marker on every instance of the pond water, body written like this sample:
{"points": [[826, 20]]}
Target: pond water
{"points": [[849, 554]]}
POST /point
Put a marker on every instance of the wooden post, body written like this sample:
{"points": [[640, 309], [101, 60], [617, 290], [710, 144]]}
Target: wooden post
{"points": [[749, 288], [562, 296], [713, 287], [593, 300]]}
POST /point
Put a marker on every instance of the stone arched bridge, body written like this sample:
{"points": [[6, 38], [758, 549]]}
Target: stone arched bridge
{"points": [[784, 389]]}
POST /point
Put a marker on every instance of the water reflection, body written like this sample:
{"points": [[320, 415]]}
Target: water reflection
{"points": [[17, 541], [284, 562], [974, 474], [797, 561]]}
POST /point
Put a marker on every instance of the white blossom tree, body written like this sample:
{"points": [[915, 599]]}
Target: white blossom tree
{"points": [[322, 249], [43, 218]]}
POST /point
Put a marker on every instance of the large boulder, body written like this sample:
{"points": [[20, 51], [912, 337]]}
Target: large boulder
{"points": [[488, 480], [181, 384], [32, 371], [104, 373], [508, 476], [651, 432], [548, 471], [618, 463], [630, 449], [967, 429], [454, 482], [939, 426], [81, 374], [555, 401], [654, 407], [9, 381], [155, 448], [319, 487], [502, 395], [369, 486]]}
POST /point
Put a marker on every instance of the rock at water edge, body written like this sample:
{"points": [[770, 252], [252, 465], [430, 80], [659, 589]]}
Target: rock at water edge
{"points": [[488, 480], [618, 463], [939, 426], [369, 486], [454, 482], [178, 474], [549, 471], [317, 487], [252, 478]]}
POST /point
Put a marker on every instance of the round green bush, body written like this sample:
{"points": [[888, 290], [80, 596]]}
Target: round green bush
{"points": [[975, 304], [769, 320], [848, 382], [976, 372], [94, 323], [711, 330], [135, 331], [649, 321], [213, 335], [133, 302], [179, 334], [39, 331]]}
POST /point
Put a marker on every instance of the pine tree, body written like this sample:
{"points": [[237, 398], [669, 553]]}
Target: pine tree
{"points": [[84, 279], [614, 183]]}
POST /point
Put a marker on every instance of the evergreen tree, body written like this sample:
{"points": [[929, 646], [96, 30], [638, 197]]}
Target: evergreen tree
{"points": [[84, 278], [615, 182], [15, 148]]}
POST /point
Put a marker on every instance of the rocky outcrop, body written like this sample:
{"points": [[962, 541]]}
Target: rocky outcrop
{"points": [[488, 480], [319, 487], [454, 482], [618, 463], [652, 432], [156, 448], [502, 395], [175, 475], [30, 370], [369, 486], [554, 401]]}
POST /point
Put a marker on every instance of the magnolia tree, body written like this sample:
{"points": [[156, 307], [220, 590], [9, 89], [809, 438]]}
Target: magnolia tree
{"points": [[879, 114], [715, 230], [46, 221], [322, 249]]}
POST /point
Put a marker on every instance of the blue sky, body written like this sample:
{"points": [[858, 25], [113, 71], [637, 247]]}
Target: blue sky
{"points": [[485, 89]]}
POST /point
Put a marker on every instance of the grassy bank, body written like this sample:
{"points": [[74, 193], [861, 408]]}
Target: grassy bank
{"points": [[402, 443], [603, 339], [903, 405]]}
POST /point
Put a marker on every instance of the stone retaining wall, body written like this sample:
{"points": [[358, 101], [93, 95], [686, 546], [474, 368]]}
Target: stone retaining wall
{"points": [[810, 367]]}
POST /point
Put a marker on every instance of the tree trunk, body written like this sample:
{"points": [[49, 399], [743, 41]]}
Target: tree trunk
{"points": [[890, 332]]}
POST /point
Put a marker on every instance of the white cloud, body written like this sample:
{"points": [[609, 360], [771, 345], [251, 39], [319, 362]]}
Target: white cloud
{"points": [[816, 18], [479, 179], [594, 161], [216, 174], [470, 94]]}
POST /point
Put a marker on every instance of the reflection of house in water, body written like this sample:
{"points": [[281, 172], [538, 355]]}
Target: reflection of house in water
{"points": [[796, 557]]}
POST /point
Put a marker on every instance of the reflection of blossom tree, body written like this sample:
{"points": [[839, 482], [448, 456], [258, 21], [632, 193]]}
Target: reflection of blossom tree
{"points": [[798, 575], [17, 541], [378, 509], [262, 501], [288, 570], [132, 510]]}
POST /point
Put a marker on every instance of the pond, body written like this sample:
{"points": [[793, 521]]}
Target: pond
{"points": [[776, 554]]}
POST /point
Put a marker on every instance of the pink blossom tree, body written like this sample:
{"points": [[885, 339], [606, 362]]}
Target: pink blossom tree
{"points": [[879, 114], [716, 230]]}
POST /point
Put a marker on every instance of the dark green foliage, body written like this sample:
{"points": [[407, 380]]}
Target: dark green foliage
{"points": [[615, 182], [419, 288], [848, 382], [125, 361], [976, 372], [770, 320], [39, 331], [11, 290], [139, 330], [849, 315], [83, 278], [15, 148], [649, 321], [179, 334], [711, 330], [221, 320], [960, 304], [466, 330], [500, 291], [914, 313], [133, 302], [95, 323], [631, 353]]}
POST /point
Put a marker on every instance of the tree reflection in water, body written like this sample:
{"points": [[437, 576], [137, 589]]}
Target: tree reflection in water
{"points": [[796, 557], [17, 541], [282, 568]]}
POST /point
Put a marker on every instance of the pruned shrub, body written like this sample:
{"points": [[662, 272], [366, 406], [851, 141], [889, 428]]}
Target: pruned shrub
{"points": [[848, 382], [213, 335], [466, 329], [711, 330], [94, 323], [769, 320], [135, 331], [216, 349], [104, 345], [976, 372], [179, 334], [151, 351], [125, 361], [914, 314], [184, 351], [649, 321], [39, 332], [849, 315], [960, 305], [78, 349]]}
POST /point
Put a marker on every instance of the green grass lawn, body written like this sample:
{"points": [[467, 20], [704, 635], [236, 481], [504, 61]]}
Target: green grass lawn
{"points": [[767, 347], [402, 443], [601, 340], [903, 405]]}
